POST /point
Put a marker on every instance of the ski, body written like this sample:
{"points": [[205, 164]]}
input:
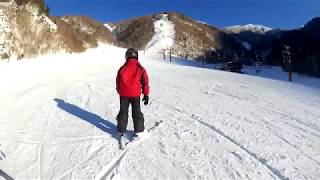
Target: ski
{"points": [[157, 123], [123, 145], [2, 155]]}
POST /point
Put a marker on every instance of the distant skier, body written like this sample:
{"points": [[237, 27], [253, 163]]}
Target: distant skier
{"points": [[132, 79]]}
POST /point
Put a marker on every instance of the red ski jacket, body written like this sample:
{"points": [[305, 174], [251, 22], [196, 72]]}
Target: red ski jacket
{"points": [[131, 79]]}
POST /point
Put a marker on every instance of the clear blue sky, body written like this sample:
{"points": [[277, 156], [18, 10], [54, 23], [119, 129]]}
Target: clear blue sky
{"points": [[286, 14]]}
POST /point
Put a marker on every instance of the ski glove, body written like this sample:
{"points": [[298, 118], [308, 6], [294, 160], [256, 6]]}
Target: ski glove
{"points": [[145, 100]]}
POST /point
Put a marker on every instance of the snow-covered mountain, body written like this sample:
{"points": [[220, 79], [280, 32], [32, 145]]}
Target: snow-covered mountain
{"points": [[249, 35], [198, 40], [255, 38], [27, 31], [313, 28], [304, 44], [136, 32], [58, 121], [184, 36], [82, 32], [248, 27]]}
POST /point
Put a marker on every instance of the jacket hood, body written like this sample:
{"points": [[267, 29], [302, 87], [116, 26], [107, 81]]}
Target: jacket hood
{"points": [[132, 61]]}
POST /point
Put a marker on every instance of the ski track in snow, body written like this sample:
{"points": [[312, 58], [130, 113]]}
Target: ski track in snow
{"points": [[58, 122], [219, 132]]}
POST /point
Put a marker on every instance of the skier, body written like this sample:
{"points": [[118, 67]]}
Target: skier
{"points": [[132, 79]]}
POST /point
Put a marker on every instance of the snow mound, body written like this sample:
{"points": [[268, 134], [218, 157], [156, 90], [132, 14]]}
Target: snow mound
{"points": [[163, 38]]}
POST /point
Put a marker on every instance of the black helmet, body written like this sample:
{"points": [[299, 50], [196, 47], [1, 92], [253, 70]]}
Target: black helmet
{"points": [[132, 53]]}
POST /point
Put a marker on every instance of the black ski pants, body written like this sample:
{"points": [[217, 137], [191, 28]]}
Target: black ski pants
{"points": [[137, 116]]}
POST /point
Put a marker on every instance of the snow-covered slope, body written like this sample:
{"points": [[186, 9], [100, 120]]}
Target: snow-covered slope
{"points": [[110, 27], [246, 45], [248, 27], [164, 35], [25, 32], [57, 121]]}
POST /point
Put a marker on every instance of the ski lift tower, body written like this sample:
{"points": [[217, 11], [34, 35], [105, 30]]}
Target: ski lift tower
{"points": [[286, 55]]}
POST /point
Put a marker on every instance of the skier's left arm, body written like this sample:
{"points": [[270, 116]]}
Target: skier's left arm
{"points": [[145, 87], [145, 83]]}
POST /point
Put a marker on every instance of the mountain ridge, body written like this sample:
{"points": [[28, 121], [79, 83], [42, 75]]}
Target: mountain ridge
{"points": [[249, 27]]}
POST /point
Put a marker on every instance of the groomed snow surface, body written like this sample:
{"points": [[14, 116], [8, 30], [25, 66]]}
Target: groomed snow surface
{"points": [[58, 112]]}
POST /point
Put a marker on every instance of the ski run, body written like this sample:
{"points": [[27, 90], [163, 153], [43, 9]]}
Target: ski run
{"points": [[58, 113]]}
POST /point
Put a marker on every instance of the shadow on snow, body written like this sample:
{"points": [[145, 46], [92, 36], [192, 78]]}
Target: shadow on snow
{"points": [[5, 175], [104, 125]]}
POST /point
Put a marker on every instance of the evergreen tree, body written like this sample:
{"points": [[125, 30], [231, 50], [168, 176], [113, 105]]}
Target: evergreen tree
{"points": [[47, 10]]}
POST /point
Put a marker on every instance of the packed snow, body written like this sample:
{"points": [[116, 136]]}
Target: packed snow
{"points": [[58, 112], [164, 35]]}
